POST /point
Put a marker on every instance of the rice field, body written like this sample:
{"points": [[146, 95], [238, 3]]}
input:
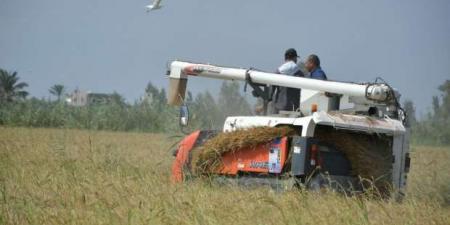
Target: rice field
{"points": [[58, 176]]}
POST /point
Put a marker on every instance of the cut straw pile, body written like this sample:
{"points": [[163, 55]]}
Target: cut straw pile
{"points": [[207, 158], [369, 155]]}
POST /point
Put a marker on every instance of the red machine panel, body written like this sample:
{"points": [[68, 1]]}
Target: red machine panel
{"points": [[186, 145], [264, 158]]}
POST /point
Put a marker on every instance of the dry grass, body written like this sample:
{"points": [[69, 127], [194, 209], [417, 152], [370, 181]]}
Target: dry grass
{"points": [[80, 177]]}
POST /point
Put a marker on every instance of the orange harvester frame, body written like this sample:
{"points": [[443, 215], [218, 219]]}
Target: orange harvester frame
{"points": [[264, 158], [185, 147]]}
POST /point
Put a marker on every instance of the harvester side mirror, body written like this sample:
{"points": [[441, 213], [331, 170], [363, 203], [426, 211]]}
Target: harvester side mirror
{"points": [[184, 115]]}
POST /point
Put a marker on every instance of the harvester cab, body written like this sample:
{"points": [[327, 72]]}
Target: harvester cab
{"points": [[346, 136]]}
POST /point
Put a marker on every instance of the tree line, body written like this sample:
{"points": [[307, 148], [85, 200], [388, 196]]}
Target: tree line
{"points": [[434, 128], [151, 114], [154, 115]]}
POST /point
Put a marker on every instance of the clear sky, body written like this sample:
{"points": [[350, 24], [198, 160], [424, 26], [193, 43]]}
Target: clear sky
{"points": [[113, 45]]}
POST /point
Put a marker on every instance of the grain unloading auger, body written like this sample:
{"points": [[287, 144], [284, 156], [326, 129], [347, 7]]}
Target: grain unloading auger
{"points": [[344, 135]]}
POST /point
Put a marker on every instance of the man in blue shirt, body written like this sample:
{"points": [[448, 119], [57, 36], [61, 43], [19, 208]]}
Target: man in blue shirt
{"points": [[312, 64]]}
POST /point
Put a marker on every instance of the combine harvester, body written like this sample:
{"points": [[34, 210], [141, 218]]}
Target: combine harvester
{"points": [[345, 136]]}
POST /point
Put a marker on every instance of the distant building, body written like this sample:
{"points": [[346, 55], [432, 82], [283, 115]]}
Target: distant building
{"points": [[77, 98], [84, 98]]}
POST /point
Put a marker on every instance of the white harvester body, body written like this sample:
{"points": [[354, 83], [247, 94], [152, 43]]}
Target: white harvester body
{"points": [[369, 108], [386, 126]]}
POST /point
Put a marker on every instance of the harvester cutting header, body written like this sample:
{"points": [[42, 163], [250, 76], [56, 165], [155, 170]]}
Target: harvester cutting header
{"points": [[341, 135]]}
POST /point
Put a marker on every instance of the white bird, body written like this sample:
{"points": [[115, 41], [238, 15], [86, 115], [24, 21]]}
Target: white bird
{"points": [[156, 5]]}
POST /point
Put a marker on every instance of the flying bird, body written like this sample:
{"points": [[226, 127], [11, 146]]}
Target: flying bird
{"points": [[156, 5]]}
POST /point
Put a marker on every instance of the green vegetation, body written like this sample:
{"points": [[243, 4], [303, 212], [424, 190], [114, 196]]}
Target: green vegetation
{"points": [[434, 129], [10, 87], [62, 176], [150, 115], [57, 90]]}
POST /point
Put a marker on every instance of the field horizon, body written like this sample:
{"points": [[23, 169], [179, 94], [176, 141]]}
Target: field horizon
{"points": [[66, 176]]}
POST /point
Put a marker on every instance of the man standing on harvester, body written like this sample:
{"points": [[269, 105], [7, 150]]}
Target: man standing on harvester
{"points": [[285, 98], [312, 64], [288, 99]]}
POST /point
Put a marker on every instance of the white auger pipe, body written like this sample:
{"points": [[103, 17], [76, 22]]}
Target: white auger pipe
{"points": [[179, 72]]}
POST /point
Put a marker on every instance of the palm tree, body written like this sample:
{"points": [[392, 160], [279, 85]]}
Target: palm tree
{"points": [[57, 90], [10, 88]]}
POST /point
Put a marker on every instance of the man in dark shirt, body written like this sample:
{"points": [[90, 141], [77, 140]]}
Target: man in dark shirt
{"points": [[312, 64]]}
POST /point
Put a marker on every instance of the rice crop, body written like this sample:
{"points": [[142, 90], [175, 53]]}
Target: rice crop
{"points": [[60, 176]]}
